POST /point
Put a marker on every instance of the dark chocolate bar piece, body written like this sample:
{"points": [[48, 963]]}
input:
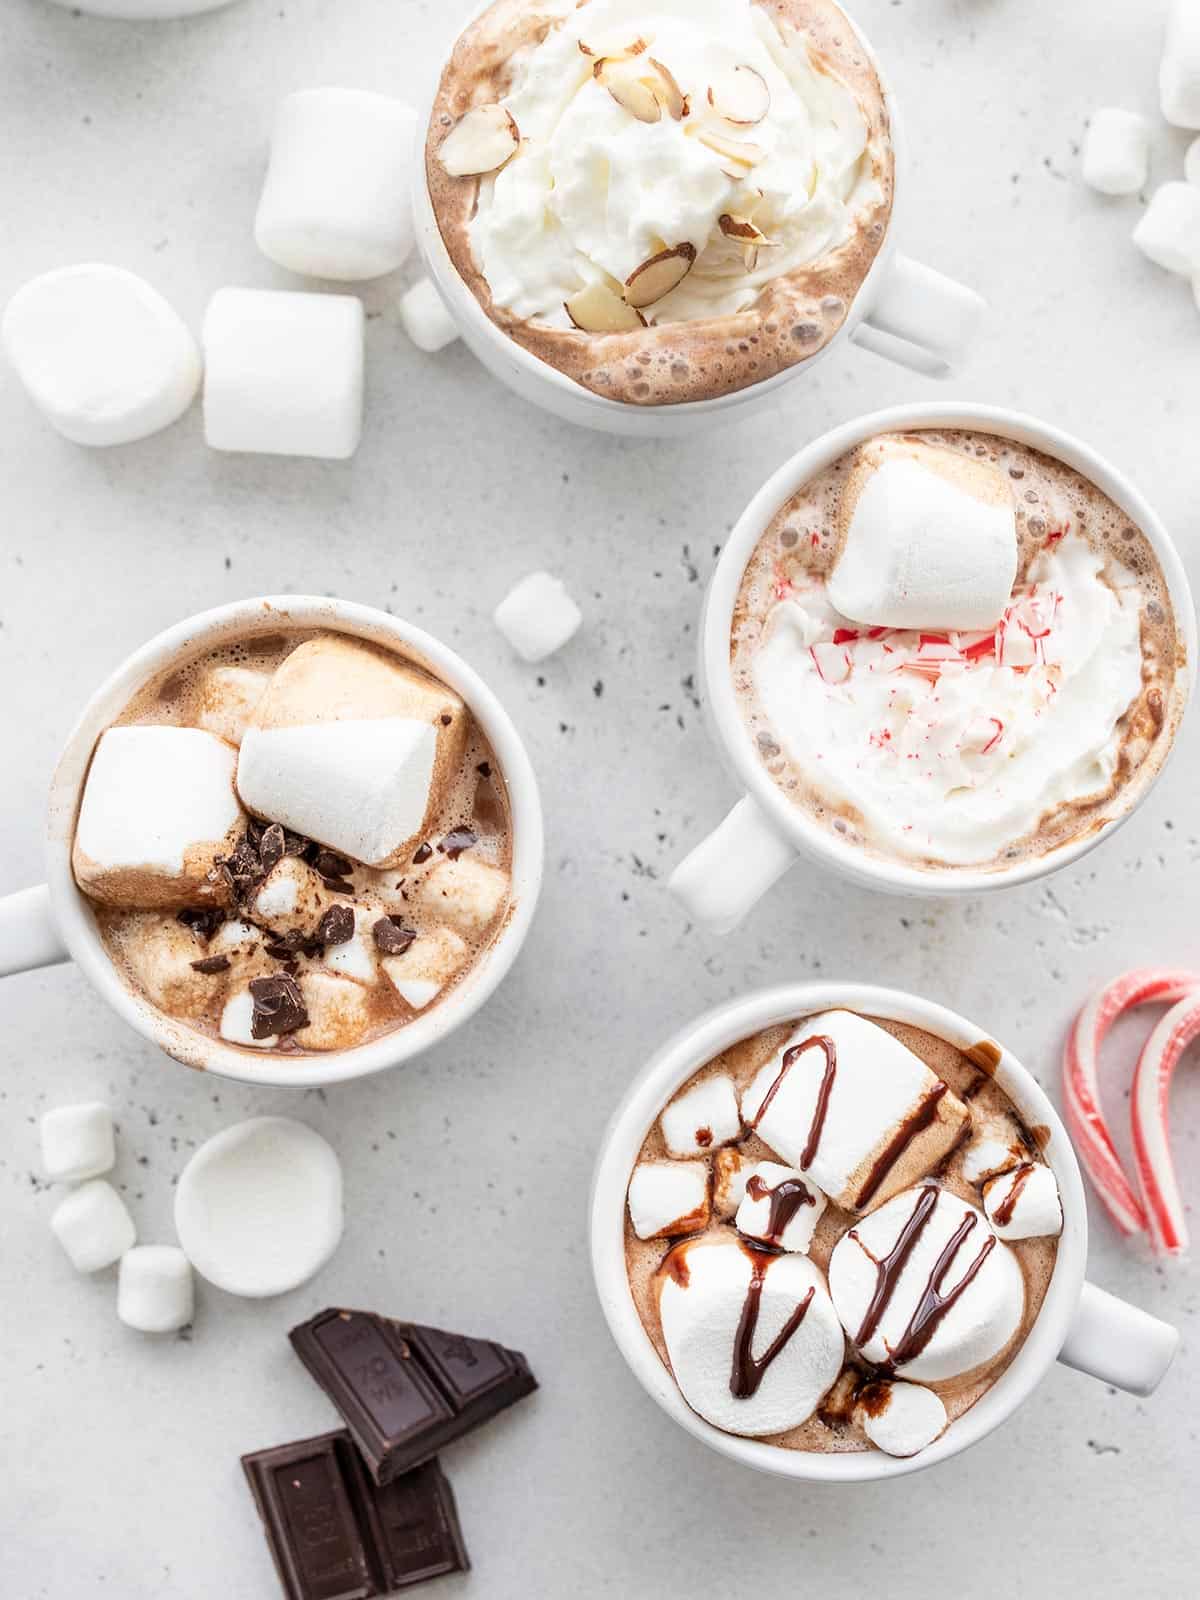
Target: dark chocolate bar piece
{"points": [[403, 1390], [335, 1535]]}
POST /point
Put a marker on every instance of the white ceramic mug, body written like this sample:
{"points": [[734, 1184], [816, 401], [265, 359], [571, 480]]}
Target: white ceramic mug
{"points": [[1078, 1324], [54, 922], [903, 310], [766, 833]]}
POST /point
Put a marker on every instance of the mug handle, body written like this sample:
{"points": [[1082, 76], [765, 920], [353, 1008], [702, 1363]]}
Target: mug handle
{"points": [[921, 319], [1119, 1343], [732, 869], [29, 935]]}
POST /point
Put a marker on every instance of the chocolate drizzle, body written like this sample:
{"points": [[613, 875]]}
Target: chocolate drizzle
{"points": [[813, 1143], [1020, 1177], [889, 1268], [916, 1122], [748, 1370], [786, 1199]]}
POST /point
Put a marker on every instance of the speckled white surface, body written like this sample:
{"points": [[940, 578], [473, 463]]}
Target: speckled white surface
{"points": [[467, 1175]]}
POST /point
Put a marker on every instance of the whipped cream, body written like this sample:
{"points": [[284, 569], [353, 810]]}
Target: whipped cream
{"points": [[593, 192], [953, 746]]}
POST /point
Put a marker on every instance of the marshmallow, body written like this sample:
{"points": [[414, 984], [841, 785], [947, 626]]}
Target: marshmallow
{"points": [[1024, 1203], [788, 1222], [158, 809], [236, 939], [996, 1146], [706, 1289], [339, 1012], [1169, 230], [143, 10], [154, 1289], [77, 1142], [980, 1320], [1116, 151], [426, 967], [537, 617], [876, 1092], [901, 1418], [291, 898], [352, 748], [466, 893], [731, 1169], [1179, 73], [102, 355], [702, 1118], [258, 1208], [93, 1226], [336, 202], [668, 1198], [228, 697], [425, 319], [927, 538], [355, 957], [1191, 163], [283, 373], [160, 954], [236, 1023]]}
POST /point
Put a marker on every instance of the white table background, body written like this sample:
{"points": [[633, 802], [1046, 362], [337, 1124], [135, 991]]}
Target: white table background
{"points": [[467, 1173]]}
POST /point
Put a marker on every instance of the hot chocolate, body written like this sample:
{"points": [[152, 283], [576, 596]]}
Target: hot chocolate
{"points": [[666, 200]]}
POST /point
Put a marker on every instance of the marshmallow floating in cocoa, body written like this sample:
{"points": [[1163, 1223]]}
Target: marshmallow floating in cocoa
{"points": [[667, 1198], [420, 973], [352, 748], [464, 892], [853, 1109], [155, 1293], [780, 1208], [228, 696], [1024, 1203], [927, 538], [338, 1011], [158, 809], [900, 1418], [702, 1118]]}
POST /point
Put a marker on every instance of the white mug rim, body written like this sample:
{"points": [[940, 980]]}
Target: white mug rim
{"points": [[794, 823], [669, 1068], [72, 911]]}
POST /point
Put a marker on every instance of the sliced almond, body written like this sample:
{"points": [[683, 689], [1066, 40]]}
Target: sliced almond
{"points": [[673, 99], [623, 77], [738, 156], [479, 142], [597, 309], [658, 276], [748, 236], [740, 96]]}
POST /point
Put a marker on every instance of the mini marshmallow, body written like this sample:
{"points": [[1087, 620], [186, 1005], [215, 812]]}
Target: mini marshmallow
{"points": [[337, 201], [878, 1087], [154, 1289], [228, 698], [356, 957], [291, 898], [425, 319], [901, 1418], [1024, 1203], [702, 1303], [1116, 151], [258, 1208], [760, 1209], [667, 1198], [466, 893], [236, 1020], [93, 1226], [158, 808], [979, 1322], [352, 748], [1169, 229], [77, 1142], [102, 355], [703, 1118], [1179, 73], [283, 373], [927, 538], [730, 1170], [537, 616], [235, 938], [996, 1146], [339, 1012], [426, 967]]}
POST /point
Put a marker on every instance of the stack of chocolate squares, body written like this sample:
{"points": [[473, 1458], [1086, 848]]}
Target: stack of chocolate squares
{"points": [[367, 1510]]}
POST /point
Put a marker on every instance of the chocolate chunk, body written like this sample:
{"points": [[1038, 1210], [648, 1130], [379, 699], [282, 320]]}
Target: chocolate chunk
{"points": [[336, 926], [272, 847], [457, 841], [278, 1006], [211, 965], [404, 1390], [392, 937], [335, 869], [335, 1535], [423, 853], [202, 920], [484, 769]]}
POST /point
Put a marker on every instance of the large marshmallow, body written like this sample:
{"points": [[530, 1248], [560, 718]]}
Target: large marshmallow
{"points": [[1116, 151], [537, 616], [901, 1418], [283, 373], [466, 893], [879, 1090], [425, 319], [1024, 1203], [731, 1171], [1169, 229], [158, 808], [702, 1118], [155, 1293], [337, 199], [93, 1226], [927, 538], [228, 698], [102, 355], [258, 1209], [77, 1142], [704, 1290], [339, 1012], [426, 967], [668, 1198], [979, 1323], [772, 1192], [352, 748], [1179, 72]]}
